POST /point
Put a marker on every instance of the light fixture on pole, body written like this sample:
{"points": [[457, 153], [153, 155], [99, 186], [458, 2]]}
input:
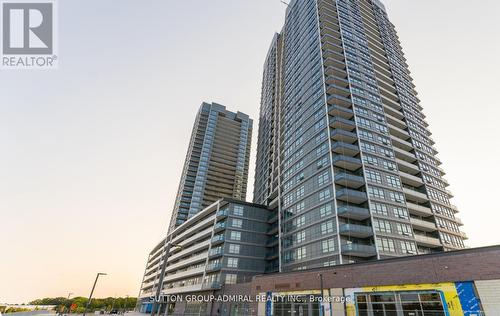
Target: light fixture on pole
{"points": [[92, 292]]}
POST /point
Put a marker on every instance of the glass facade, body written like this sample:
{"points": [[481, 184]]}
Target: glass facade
{"points": [[355, 176], [217, 161]]}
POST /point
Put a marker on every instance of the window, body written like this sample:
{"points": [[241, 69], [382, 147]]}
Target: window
{"points": [[373, 176], [323, 162], [300, 192], [404, 229], [393, 181], [232, 262], [327, 245], [235, 235], [396, 197], [299, 207], [231, 278], [325, 210], [233, 248], [376, 193], [379, 209], [238, 210], [382, 226], [385, 244], [323, 178], [324, 195], [327, 227], [301, 253], [238, 223], [301, 236], [321, 150], [408, 247], [400, 212], [300, 221]]}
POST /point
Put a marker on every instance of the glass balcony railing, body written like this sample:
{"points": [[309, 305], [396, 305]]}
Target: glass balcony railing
{"points": [[358, 250], [354, 230], [221, 213], [214, 266], [349, 195], [211, 285], [220, 225], [215, 252], [218, 239], [353, 212]]}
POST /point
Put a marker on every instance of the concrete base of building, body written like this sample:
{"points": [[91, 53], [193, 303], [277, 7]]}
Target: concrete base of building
{"points": [[459, 283]]}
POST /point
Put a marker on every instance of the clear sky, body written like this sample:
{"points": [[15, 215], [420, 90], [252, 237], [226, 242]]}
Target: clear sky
{"points": [[91, 153]]}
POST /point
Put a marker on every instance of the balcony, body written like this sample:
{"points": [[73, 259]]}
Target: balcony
{"points": [[404, 145], [221, 213], [335, 71], [215, 252], [271, 255], [351, 196], [416, 196], [338, 122], [217, 239], [354, 230], [411, 180], [349, 180], [339, 111], [346, 162], [404, 155], [427, 241], [343, 136], [339, 100], [273, 229], [359, 250], [211, 285], [353, 212], [338, 90], [407, 167], [423, 225], [272, 241], [419, 209], [214, 266], [335, 61], [396, 131], [342, 148], [219, 226]]}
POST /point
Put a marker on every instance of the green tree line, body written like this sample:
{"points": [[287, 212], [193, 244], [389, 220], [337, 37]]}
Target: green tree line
{"points": [[106, 304]]}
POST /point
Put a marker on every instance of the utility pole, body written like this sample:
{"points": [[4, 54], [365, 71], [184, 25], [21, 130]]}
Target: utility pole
{"points": [[92, 292]]}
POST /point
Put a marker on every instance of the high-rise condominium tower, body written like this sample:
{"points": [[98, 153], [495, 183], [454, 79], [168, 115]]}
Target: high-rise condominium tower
{"points": [[345, 156], [216, 163]]}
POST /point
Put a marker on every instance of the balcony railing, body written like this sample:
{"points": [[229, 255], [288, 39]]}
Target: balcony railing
{"points": [[354, 230], [346, 162], [353, 196], [349, 180], [353, 212], [219, 226], [214, 266], [215, 252], [218, 239], [358, 250]]}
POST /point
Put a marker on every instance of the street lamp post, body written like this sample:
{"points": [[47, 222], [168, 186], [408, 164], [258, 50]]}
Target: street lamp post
{"points": [[156, 306], [69, 308], [92, 292]]}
